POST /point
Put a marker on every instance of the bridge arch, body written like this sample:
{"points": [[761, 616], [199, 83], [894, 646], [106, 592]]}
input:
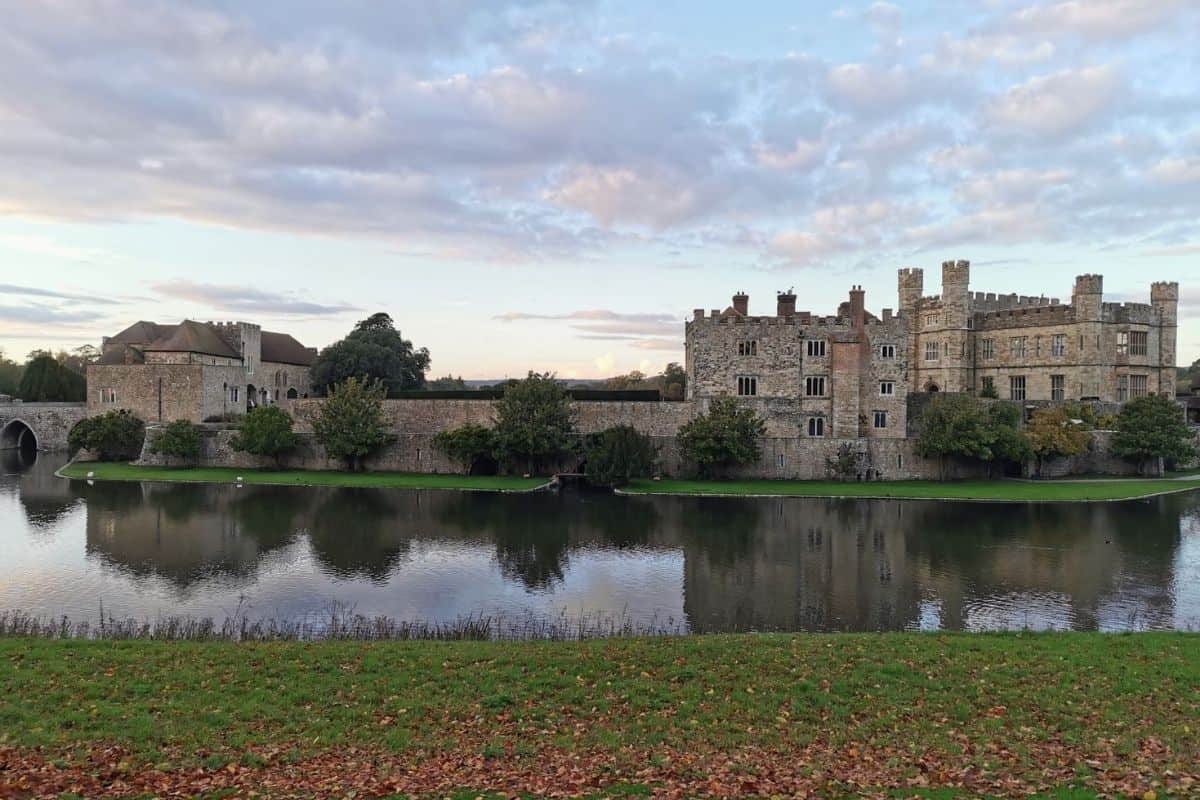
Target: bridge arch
{"points": [[17, 434]]}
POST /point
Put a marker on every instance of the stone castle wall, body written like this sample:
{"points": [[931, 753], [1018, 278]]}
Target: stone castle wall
{"points": [[50, 422]]}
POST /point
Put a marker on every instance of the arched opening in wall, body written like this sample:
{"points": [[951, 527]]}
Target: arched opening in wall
{"points": [[251, 396], [292, 394], [932, 388], [16, 435]]}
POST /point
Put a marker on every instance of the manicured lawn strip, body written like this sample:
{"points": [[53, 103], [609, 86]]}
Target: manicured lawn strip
{"points": [[106, 471], [179, 704], [999, 490]]}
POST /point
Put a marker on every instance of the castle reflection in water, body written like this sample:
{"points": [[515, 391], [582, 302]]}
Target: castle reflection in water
{"points": [[729, 564]]}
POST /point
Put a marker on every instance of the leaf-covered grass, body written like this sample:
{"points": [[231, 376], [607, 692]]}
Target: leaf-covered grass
{"points": [[111, 471], [996, 490], [1052, 711]]}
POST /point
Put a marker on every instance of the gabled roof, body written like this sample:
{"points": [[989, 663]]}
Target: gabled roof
{"points": [[141, 332], [282, 348], [193, 337]]}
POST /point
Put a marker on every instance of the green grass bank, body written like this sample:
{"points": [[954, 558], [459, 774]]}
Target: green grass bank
{"points": [[107, 471], [890, 715], [994, 490]]}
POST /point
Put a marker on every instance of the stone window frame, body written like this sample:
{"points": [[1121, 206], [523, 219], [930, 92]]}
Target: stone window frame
{"points": [[1139, 343], [1058, 387], [108, 395], [932, 351], [747, 385], [235, 394], [1139, 386], [816, 426], [747, 347], [891, 389], [815, 380], [815, 348], [1122, 343], [987, 381], [1018, 388], [879, 419], [887, 351], [989, 349], [1058, 345], [1017, 347]]}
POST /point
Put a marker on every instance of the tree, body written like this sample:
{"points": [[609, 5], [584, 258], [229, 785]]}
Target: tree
{"points": [[1153, 427], [349, 423], [843, 465], [115, 436], [673, 382], [373, 351], [10, 375], [178, 439], [534, 423], [618, 455], [959, 426], [472, 445], [265, 431], [44, 380], [1054, 433], [634, 380], [724, 437], [447, 383]]}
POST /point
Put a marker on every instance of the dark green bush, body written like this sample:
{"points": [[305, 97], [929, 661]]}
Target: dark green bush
{"points": [[618, 455], [115, 436]]}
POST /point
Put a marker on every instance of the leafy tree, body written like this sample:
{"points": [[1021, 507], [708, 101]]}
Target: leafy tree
{"points": [[266, 431], [44, 380], [1153, 427], [634, 380], [373, 351], [115, 436], [618, 455], [726, 436], [10, 375], [535, 423], [447, 383], [1053, 433], [472, 445], [959, 426], [349, 423], [843, 465], [178, 439], [673, 382]]}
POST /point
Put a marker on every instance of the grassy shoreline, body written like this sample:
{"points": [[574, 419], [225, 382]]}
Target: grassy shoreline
{"points": [[108, 471], [889, 715], [1001, 491]]}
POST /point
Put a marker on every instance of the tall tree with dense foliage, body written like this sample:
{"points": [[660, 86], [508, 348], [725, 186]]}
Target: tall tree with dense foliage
{"points": [[726, 436], [373, 351], [534, 423], [349, 423], [1054, 433], [471, 445], [618, 455], [673, 382], [115, 436], [1153, 428], [959, 426], [44, 380], [10, 375], [266, 431], [179, 439]]}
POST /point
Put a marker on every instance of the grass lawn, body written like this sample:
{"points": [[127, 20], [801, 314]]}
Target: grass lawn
{"points": [[377, 480], [891, 715], [998, 490]]}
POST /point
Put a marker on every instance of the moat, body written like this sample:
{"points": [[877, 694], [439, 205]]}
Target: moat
{"points": [[688, 564]]}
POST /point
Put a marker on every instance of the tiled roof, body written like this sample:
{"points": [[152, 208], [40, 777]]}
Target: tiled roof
{"points": [[282, 348], [193, 337]]}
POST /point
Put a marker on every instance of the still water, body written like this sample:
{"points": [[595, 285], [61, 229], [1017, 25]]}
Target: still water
{"points": [[156, 550]]}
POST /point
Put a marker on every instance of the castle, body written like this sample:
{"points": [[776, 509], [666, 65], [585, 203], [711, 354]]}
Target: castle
{"points": [[848, 375], [196, 370]]}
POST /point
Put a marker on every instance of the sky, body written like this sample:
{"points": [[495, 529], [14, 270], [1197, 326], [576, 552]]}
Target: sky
{"points": [[556, 185]]}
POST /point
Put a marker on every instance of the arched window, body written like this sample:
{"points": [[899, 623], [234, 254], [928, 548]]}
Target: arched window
{"points": [[291, 394]]}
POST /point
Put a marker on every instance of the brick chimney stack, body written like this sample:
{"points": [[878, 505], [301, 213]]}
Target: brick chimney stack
{"points": [[858, 307], [785, 304], [741, 303]]}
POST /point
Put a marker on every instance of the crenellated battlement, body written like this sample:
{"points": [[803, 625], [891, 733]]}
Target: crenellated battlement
{"points": [[1164, 292], [1088, 284]]}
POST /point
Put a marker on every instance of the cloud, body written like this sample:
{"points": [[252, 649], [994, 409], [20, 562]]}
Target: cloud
{"points": [[33, 291], [640, 330], [595, 314], [1058, 104], [249, 300], [1097, 19], [46, 315], [1177, 170]]}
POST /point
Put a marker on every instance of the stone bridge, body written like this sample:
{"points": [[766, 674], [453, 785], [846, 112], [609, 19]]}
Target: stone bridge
{"points": [[37, 426]]}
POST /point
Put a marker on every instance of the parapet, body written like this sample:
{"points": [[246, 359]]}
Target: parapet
{"points": [[1089, 284], [1164, 292], [912, 278], [956, 273]]}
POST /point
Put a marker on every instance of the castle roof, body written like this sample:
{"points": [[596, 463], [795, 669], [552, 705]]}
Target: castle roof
{"points": [[283, 348], [192, 337]]}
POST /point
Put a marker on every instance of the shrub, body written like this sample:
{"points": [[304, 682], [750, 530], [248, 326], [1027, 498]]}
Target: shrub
{"points": [[266, 431], [115, 436], [178, 439], [724, 437], [473, 446], [1053, 434], [535, 423], [44, 380], [959, 426], [618, 455], [349, 424]]}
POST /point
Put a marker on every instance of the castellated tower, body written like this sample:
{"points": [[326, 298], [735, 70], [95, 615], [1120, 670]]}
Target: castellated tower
{"points": [[911, 289], [956, 356], [1087, 298], [1164, 296]]}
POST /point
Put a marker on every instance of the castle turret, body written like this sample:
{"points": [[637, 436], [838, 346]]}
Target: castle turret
{"points": [[1088, 298], [911, 289], [956, 279], [1164, 296]]}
